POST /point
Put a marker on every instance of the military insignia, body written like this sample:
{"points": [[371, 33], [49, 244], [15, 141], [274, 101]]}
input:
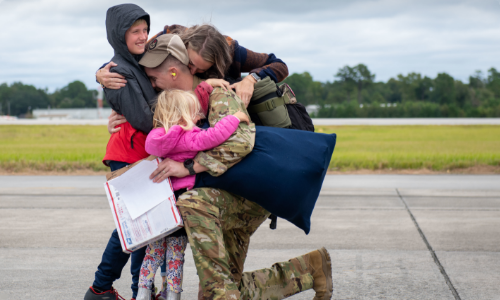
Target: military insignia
{"points": [[153, 44]]}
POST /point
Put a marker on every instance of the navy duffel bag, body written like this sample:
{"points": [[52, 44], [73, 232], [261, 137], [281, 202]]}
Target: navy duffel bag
{"points": [[283, 173]]}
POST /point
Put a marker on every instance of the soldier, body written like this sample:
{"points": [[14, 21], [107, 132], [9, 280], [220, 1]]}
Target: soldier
{"points": [[219, 224]]}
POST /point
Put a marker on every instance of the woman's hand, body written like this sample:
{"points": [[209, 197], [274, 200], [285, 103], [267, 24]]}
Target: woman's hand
{"points": [[218, 82], [114, 120], [244, 89], [168, 168], [109, 79], [242, 117]]}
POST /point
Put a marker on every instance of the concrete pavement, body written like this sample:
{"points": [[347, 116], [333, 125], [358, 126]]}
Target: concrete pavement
{"points": [[390, 237]]}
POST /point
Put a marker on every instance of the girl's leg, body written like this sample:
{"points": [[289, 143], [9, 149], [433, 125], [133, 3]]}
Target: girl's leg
{"points": [[155, 252], [176, 247]]}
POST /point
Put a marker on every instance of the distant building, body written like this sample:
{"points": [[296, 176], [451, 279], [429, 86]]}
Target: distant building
{"points": [[7, 118], [312, 109], [72, 113]]}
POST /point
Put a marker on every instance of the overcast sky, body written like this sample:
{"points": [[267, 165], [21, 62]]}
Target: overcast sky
{"points": [[49, 43]]}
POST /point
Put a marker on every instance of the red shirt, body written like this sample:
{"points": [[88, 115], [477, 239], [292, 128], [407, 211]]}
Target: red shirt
{"points": [[127, 145]]}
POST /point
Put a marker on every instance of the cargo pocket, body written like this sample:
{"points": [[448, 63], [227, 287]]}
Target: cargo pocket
{"points": [[278, 117], [206, 233]]}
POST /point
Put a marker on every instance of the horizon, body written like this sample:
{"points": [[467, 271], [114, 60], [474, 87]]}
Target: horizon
{"points": [[484, 74]]}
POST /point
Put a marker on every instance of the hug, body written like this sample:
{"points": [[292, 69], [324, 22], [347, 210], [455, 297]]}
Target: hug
{"points": [[173, 99]]}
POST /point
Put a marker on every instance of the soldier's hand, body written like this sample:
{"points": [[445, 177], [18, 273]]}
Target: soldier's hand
{"points": [[114, 120], [109, 79], [168, 168], [244, 89]]}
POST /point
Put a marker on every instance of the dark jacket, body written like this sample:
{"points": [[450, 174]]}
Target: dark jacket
{"points": [[135, 100]]}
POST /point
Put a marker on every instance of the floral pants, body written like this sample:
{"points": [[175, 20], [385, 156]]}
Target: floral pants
{"points": [[173, 249]]}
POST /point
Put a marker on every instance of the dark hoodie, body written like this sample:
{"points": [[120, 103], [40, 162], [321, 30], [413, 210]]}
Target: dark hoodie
{"points": [[134, 101]]}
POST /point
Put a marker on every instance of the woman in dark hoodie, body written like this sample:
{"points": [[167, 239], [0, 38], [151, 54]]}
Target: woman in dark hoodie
{"points": [[127, 27]]}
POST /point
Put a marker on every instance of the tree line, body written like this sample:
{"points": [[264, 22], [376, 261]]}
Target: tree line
{"points": [[353, 93], [19, 99]]}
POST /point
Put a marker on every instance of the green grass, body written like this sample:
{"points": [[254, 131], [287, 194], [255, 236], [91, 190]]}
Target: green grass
{"points": [[52, 148], [67, 148], [414, 147]]}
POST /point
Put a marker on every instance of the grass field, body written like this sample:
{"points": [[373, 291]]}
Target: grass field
{"points": [[52, 148], [68, 148], [414, 147]]}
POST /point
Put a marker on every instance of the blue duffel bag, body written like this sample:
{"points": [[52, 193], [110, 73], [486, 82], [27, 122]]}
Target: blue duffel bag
{"points": [[283, 173]]}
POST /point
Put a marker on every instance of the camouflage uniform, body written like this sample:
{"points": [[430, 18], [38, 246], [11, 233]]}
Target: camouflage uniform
{"points": [[219, 159], [219, 224]]}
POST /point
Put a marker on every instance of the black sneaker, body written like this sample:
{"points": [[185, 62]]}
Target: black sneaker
{"points": [[111, 294]]}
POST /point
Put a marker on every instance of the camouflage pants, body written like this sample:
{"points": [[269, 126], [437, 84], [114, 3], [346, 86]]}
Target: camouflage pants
{"points": [[219, 225]]}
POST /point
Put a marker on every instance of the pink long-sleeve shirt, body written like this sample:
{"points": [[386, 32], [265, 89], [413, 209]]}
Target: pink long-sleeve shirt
{"points": [[179, 144]]}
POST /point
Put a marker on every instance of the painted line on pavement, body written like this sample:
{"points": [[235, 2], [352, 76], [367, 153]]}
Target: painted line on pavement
{"points": [[433, 254]]}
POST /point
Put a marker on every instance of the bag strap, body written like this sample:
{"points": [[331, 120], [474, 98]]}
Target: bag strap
{"points": [[266, 105], [286, 98], [269, 104]]}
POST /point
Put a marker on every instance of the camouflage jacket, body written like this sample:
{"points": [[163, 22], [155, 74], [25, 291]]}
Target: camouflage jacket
{"points": [[240, 144]]}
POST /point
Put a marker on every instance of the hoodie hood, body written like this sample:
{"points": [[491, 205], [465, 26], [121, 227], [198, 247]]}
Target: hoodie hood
{"points": [[119, 18]]}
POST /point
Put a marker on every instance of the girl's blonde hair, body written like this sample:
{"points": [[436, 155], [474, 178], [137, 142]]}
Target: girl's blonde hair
{"points": [[176, 107]]}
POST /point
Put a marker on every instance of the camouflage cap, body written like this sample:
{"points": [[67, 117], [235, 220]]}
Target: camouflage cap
{"points": [[163, 46]]}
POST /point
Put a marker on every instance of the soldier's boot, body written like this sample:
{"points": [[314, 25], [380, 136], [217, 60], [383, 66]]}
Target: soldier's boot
{"points": [[320, 267]]}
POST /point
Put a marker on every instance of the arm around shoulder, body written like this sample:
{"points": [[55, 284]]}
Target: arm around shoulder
{"points": [[214, 136], [239, 145], [262, 64], [130, 102]]}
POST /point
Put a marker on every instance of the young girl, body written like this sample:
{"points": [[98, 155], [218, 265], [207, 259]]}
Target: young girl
{"points": [[176, 136]]}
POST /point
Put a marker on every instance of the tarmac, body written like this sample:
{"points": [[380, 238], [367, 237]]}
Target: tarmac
{"points": [[389, 237]]}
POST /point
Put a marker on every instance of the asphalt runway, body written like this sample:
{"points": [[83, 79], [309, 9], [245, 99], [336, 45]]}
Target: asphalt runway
{"points": [[389, 236]]}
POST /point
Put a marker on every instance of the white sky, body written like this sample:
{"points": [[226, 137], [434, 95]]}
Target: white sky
{"points": [[49, 43]]}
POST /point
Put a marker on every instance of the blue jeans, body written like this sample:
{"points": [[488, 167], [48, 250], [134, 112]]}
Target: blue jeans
{"points": [[164, 268], [114, 259]]}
